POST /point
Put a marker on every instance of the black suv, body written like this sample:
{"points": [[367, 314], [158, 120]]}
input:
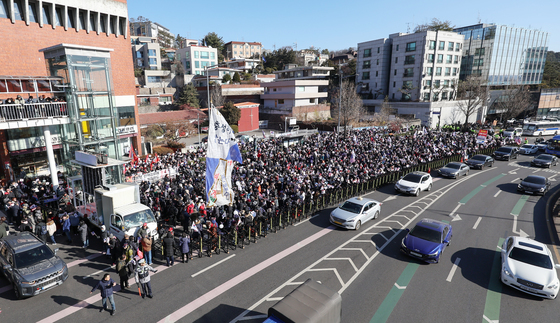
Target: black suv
{"points": [[506, 153], [30, 265]]}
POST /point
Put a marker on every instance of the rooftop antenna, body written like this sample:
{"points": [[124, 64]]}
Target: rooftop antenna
{"points": [[295, 46], [408, 28], [478, 18]]}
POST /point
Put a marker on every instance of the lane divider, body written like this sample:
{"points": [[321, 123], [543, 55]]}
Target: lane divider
{"points": [[494, 294]]}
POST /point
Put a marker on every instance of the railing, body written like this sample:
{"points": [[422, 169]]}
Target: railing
{"points": [[9, 112]]}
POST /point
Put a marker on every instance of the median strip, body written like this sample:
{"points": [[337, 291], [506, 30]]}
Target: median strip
{"points": [[494, 294], [519, 205], [478, 189]]}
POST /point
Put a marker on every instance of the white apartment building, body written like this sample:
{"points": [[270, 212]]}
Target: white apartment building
{"points": [[196, 58], [281, 96], [146, 52]]}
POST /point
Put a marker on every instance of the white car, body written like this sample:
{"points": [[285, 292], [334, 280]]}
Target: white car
{"points": [[513, 132], [413, 183], [528, 149], [354, 212], [528, 266]]}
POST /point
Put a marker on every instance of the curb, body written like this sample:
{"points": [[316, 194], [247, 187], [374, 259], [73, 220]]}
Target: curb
{"points": [[552, 217]]}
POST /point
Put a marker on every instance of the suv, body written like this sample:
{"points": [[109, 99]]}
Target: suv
{"points": [[30, 265], [413, 183], [506, 153]]}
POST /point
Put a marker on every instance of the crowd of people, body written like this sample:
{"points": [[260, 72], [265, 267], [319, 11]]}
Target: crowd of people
{"points": [[41, 107]]}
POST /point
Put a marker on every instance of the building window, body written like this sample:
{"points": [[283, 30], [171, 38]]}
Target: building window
{"points": [[409, 60], [70, 23], [93, 22], [445, 83], [426, 96], [449, 59], [430, 58], [454, 71], [280, 101], [311, 100], [438, 71], [204, 54], [378, 49], [46, 13], [396, 60], [196, 54], [376, 73], [58, 16], [450, 46], [436, 96], [151, 52], [456, 59], [4, 9], [196, 64], [432, 44], [139, 54], [408, 72], [407, 85], [18, 10], [478, 62], [479, 52], [441, 45], [367, 52], [366, 64], [154, 79], [395, 72], [444, 95], [32, 9], [437, 83], [187, 64], [139, 62], [103, 23], [428, 83], [440, 58], [397, 49], [394, 85], [212, 55], [365, 76], [457, 47], [112, 26], [429, 71], [447, 71], [82, 18], [410, 47], [377, 62]]}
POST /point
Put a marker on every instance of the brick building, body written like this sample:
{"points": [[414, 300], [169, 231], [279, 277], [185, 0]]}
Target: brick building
{"points": [[79, 52]]}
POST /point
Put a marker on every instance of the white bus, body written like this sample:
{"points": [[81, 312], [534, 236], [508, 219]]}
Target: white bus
{"points": [[541, 128]]}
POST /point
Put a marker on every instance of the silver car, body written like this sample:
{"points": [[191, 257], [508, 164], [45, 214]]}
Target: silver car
{"points": [[454, 170], [354, 212]]}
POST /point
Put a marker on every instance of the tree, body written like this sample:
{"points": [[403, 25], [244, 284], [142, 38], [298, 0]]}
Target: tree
{"points": [[216, 96], [325, 51], [226, 79], [277, 59], [165, 39], [347, 100], [472, 96], [179, 40], [247, 76], [382, 117], [231, 113], [188, 96], [236, 78], [213, 40], [512, 102], [177, 67], [174, 129], [551, 75], [434, 25]]}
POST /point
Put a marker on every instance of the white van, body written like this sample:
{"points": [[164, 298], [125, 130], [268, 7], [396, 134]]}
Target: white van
{"points": [[513, 132]]}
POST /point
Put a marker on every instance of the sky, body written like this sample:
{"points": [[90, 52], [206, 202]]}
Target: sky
{"points": [[336, 25]]}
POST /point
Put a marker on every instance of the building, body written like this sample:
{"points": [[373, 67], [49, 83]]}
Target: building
{"points": [[243, 65], [249, 120], [292, 71], [196, 59], [146, 52], [154, 96], [310, 57], [79, 53], [187, 42], [149, 29], [503, 55], [238, 49], [549, 103]]}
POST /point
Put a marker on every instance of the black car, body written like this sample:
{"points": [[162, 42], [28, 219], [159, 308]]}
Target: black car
{"points": [[534, 184], [30, 265], [479, 161], [544, 160], [506, 153]]}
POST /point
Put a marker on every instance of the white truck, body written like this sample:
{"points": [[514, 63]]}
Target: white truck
{"points": [[119, 209]]}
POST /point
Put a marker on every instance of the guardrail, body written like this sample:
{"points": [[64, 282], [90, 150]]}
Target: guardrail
{"points": [[14, 112]]}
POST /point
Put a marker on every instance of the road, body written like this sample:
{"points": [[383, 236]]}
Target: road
{"points": [[376, 281]]}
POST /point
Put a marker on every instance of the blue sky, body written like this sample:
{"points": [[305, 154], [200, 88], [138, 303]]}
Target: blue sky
{"points": [[337, 24]]}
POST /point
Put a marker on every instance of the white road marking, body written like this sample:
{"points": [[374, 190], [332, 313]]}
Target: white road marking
{"points": [[453, 269], [476, 223], [212, 266], [392, 197], [399, 287], [295, 225], [489, 320], [536, 171], [497, 193], [515, 179], [514, 230], [98, 272], [455, 217]]}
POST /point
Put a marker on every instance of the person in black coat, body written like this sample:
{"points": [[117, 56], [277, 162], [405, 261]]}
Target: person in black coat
{"points": [[169, 248], [184, 244]]}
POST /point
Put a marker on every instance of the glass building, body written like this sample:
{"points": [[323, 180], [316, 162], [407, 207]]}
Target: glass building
{"points": [[503, 55]]}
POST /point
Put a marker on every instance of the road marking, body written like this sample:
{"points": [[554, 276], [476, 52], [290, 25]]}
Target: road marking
{"points": [[212, 266], [386, 308], [200, 301], [392, 197], [478, 189], [316, 215], [513, 171], [455, 217], [519, 205], [514, 180], [521, 233], [97, 272], [494, 294], [497, 193], [476, 223], [453, 269], [536, 171]]}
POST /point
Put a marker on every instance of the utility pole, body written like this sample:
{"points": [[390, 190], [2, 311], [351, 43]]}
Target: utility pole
{"points": [[339, 96]]}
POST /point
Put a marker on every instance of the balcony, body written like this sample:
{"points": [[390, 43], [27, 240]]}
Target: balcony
{"points": [[13, 116]]}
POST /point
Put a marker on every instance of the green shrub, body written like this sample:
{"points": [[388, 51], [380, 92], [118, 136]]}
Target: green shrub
{"points": [[235, 128]]}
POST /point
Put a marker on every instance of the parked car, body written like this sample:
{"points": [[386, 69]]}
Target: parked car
{"points": [[454, 170], [413, 183], [529, 149], [513, 132], [427, 240], [528, 266], [30, 265], [543, 144], [479, 161], [534, 184], [544, 160], [354, 212], [506, 153]]}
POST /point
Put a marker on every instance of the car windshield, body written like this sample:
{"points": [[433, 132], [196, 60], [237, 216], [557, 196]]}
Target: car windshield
{"points": [[504, 150], [479, 157], [529, 127], [545, 157], [351, 207], [32, 256], [531, 258], [411, 177], [454, 166], [138, 219], [527, 146], [510, 129], [426, 234], [534, 180]]}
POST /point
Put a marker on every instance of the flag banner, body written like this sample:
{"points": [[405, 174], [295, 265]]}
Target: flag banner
{"points": [[221, 153]]}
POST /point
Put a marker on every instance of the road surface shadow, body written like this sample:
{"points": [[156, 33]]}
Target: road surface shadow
{"points": [[224, 313]]}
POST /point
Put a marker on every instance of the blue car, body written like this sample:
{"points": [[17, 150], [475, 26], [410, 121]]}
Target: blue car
{"points": [[427, 240]]}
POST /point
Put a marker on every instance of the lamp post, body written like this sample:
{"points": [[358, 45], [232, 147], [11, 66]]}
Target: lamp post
{"points": [[339, 96], [207, 95]]}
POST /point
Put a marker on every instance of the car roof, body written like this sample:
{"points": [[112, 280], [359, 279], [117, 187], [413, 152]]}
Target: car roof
{"points": [[361, 200], [535, 176], [530, 244], [433, 224], [455, 163], [543, 155], [23, 241], [419, 173], [481, 155], [509, 147]]}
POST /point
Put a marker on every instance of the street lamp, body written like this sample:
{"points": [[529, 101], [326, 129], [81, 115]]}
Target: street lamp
{"points": [[339, 96], [207, 97]]}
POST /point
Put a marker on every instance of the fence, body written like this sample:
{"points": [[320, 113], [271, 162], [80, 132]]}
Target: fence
{"points": [[10, 112], [152, 176]]}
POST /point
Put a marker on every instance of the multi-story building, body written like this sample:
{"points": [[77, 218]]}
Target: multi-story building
{"points": [[243, 64], [148, 29], [78, 54], [310, 57], [187, 42], [239, 49], [196, 59], [146, 52]]}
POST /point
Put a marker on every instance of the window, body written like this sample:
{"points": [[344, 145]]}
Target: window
{"points": [[454, 71], [394, 85], [410, 47], [71, 23], [478, 62], [32, 9], [212, 55], [445, 83], [396, 60], [408, 72], [407, 85], [449, 59], [430, 58], [280, 101], [153, 61], [395, 72], [82, 18], [432, 44], [196, 54], [18, 10], [151, 52], [366, 64], [436, 96], [428, 83], [441, 45], [204, 54], [377, 62], [365, 76], [438, 71], [444, 95], [139, 54], [456, 59], [46, 14], [450, 46], [458, 47], [301, 88], [426, 96], [154, 79], [112, 27], [437, 83], [204, 64], [93, 22], [376, 73], [196, 64], [479, 52], [397, 49], [311, 100], [3, 8], [139, 62], [429, 71], [409, 59], [103, 23], [440, 58], [122, 25], [378, 49], [447, 71], [367, 52], [187, 64], [14, 86]]}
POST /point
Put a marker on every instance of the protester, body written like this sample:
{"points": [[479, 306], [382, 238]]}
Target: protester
{"points": [[106, 285], [169, 248], [184, 245], [147, 248], [122, 271]]}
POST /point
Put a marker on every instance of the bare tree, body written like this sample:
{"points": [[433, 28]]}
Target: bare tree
{"points": [[351, 104], [513, 101], [216, 96], [382, 117], [472, 95]]}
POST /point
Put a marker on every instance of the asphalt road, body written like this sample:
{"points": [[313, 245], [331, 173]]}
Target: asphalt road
{"points": [[377, 282]]}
